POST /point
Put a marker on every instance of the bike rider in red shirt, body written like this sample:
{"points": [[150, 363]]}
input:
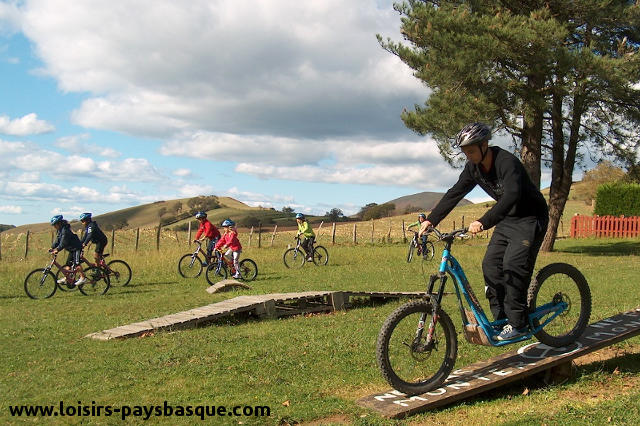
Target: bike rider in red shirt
{"points": [[207, 230]]}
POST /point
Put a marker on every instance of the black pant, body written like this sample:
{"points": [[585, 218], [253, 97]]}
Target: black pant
{"points": [[307, 245], [508, 265]]}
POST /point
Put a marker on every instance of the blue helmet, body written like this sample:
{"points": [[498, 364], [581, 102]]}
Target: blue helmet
{"points": [[55, 219], [201, 214], [85, 216], [299, 216], [422, 215], [228, 222]]}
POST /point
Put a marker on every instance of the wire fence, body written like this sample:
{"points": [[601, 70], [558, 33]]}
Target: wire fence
{"points": [[19, 246]]}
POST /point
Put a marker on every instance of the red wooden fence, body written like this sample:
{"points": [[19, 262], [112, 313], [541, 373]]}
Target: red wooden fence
{"points": [[605, 226]]}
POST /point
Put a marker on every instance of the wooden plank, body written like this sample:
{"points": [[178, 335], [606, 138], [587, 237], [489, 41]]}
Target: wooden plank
{"points": [[265, 305], [500, 370]]}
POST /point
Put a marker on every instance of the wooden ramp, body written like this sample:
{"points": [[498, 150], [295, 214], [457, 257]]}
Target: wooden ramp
{"points": [[225, 285], [266, 305], [506, 368]]}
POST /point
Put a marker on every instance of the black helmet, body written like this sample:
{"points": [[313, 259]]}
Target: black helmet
{"points": [[472, 134]]}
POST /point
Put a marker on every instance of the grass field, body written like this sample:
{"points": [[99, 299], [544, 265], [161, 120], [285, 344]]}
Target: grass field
{"points": [[305, 368]]}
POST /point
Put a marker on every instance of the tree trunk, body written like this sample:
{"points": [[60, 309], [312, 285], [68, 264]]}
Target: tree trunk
{"points": [[533, 119], [561, 167]]}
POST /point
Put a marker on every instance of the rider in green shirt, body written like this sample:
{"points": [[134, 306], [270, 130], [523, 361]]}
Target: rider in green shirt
{"points": [[304, 228]]}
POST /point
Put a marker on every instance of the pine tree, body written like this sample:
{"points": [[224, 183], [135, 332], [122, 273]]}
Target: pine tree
{"points": [[557, 75]]}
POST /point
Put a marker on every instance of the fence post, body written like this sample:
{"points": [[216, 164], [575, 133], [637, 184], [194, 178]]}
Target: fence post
{"points": [[113, 238], [250, 236], [404, 233], [137, 237], [259, 234], [318, 230], [26, 245], [0, 246], [389, 233], [333, 234], [355, 239], [275, 229], [158, 236], [462, 221], [372, 229], [189, 236]]}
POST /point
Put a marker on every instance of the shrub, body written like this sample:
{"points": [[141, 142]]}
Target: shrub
{"points": [[618, 199]]}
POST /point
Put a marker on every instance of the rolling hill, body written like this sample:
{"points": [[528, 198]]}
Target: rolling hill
{"points": [[420, 202], [148, 215]]}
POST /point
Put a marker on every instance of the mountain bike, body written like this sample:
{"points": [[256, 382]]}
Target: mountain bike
{"points": [[119, 271], [295, 257], [416, 245], [42, 283], [190, 265], [223, 267], [417, 344]]}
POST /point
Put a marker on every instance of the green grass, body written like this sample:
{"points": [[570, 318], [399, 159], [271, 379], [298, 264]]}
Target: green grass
{"points": [[317, 366]]}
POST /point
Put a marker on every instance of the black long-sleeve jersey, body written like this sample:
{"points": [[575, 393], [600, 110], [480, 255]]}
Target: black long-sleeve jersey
{"points": [[93, 233], [507, 182]]}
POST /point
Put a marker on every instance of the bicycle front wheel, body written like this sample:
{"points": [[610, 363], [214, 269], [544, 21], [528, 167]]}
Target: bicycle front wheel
{"points": [[557, 283], [119, 273], [429, 251], [64, 286], [190, 266], [40, 284], [215, 273], [409, 364], [410, 253], [97, 282], [293, 258], [320, 256], [248, 269]]}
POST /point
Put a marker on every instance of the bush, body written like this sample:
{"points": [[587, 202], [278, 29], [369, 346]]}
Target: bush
{"points": [[618, 199]]}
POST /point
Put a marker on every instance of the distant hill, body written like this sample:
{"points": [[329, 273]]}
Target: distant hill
{"points": [[170, 212], [5, 227], [422, 201]]}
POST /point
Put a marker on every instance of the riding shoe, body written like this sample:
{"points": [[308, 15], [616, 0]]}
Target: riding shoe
{"points": [[62, 280], [81, 281], [509, 332]]}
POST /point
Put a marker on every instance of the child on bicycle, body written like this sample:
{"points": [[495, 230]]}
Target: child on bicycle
{"points": [[207, 230], [304, 228], [67, 240], [93, 234], [422, 231], [229, 241]]}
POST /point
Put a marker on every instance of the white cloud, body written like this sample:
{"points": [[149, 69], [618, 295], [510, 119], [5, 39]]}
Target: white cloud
{"points": [[75, 166], [10, 17], [27, 125], [230, 147], [7, 148], [69, 213], [192, 190], [413, 175], [79, 144], [11, 209], [182, 173], [304, 70], [39, 191]]}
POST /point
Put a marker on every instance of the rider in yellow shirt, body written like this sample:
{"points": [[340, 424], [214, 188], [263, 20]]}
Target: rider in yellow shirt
{"points": [[304, 228]]}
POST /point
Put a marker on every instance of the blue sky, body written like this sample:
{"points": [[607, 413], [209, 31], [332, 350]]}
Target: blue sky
{"points": [[106, 105]]}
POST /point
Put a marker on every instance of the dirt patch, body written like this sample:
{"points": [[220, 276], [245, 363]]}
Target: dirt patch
{"points": [[607, 354]]}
